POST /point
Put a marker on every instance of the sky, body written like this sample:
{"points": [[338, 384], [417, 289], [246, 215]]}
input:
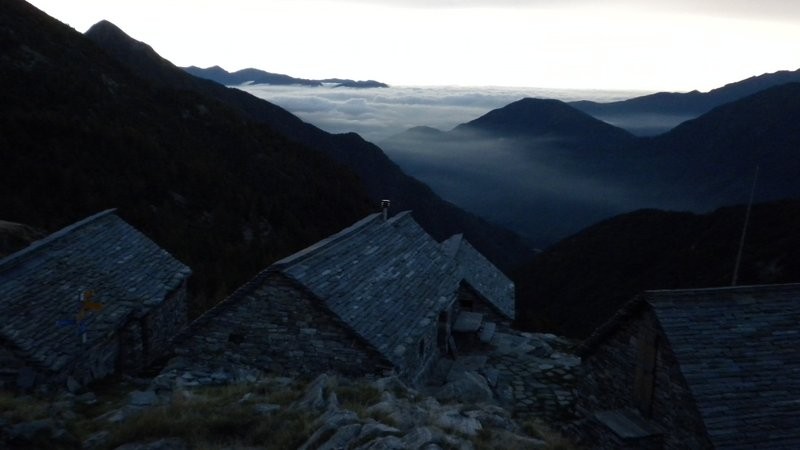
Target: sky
{"points": [[675, 45]]}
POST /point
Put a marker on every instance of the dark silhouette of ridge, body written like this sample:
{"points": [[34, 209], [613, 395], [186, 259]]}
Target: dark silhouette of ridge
{"points": [[579, 283], [674, 107], [81, 133], [382, 178], [256, 76], [533, 117]]}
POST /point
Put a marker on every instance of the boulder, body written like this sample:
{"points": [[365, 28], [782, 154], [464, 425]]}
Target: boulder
{"points": [[470, 387], [314, 397], [454, 421], [143, 399]]}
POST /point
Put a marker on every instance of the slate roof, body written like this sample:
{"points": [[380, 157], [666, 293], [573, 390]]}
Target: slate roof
{"points": [[739, 350], [481, 274], [386, 280], [41, 285]]}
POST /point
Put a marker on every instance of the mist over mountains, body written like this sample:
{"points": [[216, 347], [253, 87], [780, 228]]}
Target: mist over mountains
{"points": [[256, 76], [547, 170], [657, 113]]}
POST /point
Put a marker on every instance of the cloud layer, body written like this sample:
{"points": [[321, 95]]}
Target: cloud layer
{"points": [[378, 114]]}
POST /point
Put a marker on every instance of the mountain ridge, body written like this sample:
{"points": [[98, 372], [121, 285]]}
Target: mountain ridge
{"points": [[382, 178], [258, 76], [577, 284], [675, 107], [81, 133]]}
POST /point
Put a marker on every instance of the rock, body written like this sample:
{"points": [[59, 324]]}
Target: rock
{"points": [[97, 440], [374, 430], [454, 421], [542, 350], [88, 398], [63, 409], [337, 418], [265, 409], [403, 417], [161, 444], [431, 438], [471, 387], [507, 439], [342, 438], [384, 443], [330, 430], [143, 398], [393, 384], [492, 375], [26, 378], [115, 415], [333, 402], [493, 417], [73, 385], [314, 397], [45, 433]]}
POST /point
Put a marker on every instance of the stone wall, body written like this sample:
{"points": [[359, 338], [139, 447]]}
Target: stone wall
{"points": [[277, 327], [480, 305], [609, 378], [420, 356], [163, 322]]}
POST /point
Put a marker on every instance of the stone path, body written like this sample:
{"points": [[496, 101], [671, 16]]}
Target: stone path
{"points": [[532, 374], [536, 373]]}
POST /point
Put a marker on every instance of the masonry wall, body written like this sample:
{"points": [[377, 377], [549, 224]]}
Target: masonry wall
{"points": [[421, 356], [609, 378], [279, 328], [163, 322], [481, 305]]}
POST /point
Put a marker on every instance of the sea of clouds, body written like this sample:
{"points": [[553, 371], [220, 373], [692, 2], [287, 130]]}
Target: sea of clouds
{"points": [[378, 113]]}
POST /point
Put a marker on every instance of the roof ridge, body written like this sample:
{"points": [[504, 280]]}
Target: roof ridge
{"points": [[21, 255], [653, 293], [402, 215], [336, 237], [451, 245]]}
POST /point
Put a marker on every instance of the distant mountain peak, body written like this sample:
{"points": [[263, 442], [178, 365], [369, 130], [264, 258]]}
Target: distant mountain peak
{"points": [[258, 76], [544, 117]]}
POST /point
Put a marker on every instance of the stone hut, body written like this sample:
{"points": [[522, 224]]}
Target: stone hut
{"points": [[378, 297], [700, 368], [89, 300]]}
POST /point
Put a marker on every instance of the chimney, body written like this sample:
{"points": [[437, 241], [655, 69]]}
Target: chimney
{"points": [[385, 208]]}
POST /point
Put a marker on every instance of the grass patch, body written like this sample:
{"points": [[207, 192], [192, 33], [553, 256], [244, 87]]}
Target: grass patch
{"points": [[357, 396], [554, 439], [213, 418], [23, 408]]}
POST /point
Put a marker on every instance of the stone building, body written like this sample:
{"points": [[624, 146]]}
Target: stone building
{"points": [[380, 296], [701, 368], [94, 298]]}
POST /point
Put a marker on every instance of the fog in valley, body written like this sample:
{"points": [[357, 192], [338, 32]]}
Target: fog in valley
{"points": [[534, 187], [379, 113]]}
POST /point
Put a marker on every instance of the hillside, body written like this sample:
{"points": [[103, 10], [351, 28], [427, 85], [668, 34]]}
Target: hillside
{"points": [[710, 161], [533, 117], [80, 133], [546, 171], [577, 284], [382, 178], [659, 112], [256, 76]]}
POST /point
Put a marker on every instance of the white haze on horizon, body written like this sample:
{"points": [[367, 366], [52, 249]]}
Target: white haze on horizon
{"points": [[379, 113]]}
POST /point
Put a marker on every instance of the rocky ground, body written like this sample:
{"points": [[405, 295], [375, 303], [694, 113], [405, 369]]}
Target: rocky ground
{"points": [[512, 395]]}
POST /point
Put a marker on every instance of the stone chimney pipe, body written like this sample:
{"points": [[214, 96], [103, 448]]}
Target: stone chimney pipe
{"points": [[385, 208]]}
